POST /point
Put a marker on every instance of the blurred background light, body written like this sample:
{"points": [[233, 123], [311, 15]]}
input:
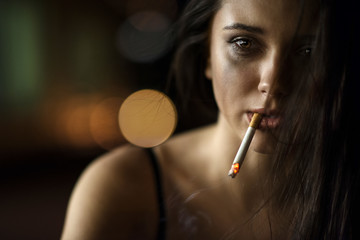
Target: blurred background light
{"points": [[65, 69], [21, 50], [147, 118], [144, 36], [77, 124], [104, 125]]}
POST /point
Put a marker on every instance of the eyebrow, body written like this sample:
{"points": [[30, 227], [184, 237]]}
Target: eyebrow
{"points": [[306, 38], [240, 26]]}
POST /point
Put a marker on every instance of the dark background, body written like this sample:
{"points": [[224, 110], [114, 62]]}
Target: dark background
{"points": [[65, 68]]}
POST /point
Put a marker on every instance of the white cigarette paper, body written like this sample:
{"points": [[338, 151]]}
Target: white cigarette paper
{"points": [[244, 146]]}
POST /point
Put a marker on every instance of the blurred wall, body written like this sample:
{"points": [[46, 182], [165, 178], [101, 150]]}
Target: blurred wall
{"points": [[65, 68]]}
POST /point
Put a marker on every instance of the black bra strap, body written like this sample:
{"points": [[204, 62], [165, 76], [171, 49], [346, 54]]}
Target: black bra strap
{"points": [[160, 196]]}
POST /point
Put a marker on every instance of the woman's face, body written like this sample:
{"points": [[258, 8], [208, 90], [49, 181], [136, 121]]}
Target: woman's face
{"points": [[255, 48]]}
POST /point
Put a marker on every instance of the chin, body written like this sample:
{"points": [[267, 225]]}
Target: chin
{"points": [[263, 143]]}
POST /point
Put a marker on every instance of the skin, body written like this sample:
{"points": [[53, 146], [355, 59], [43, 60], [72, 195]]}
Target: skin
{"points": [[246, 61], [115, 197]]}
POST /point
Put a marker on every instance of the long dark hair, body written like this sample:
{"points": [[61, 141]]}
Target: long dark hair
{"points": [[316, 162], [189, 88], [322, 178]]}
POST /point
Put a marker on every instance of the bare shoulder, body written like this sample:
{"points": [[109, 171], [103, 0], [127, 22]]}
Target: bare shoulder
{"points": [[193, 138], [114, 198], [182, 157], [183, 148]]}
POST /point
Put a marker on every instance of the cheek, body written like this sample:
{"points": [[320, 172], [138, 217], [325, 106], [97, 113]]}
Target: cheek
{"points": [[232, 84]]}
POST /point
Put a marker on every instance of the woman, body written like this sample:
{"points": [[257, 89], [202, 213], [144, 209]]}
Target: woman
{"points": [[299, 180]]}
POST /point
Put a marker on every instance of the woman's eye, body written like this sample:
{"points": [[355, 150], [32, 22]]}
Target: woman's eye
{"points": [[243, 43], [245, 46], [305, 51]]}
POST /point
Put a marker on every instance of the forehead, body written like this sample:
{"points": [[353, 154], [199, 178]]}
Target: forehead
{"points": [[271, 15]]}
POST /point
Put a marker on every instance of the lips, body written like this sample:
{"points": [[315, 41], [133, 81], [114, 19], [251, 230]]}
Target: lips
{"points": [[270, 118]]}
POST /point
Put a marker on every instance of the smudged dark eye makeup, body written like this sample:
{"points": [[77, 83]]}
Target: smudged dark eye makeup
{"points": [[305, 50], [305, 45], [244, 46]]}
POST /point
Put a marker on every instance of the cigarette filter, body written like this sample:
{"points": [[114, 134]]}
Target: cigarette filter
{"points": [[244, 146]]}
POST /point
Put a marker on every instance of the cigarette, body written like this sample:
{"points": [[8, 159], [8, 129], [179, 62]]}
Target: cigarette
{"points": [[244, 146]]}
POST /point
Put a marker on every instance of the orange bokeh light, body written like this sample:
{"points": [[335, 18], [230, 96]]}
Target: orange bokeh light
{"points": [[104, 125], [147, 118]]}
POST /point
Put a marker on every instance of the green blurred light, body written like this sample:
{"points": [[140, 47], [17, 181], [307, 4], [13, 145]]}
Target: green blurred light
{"points": [[21, 54]]}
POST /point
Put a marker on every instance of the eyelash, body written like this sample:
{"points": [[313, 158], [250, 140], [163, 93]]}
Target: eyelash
{"points": [[306, 50], [239, 49], [254, 47]]}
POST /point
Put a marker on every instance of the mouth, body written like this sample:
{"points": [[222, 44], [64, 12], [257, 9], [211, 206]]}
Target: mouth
{"points": [[270, 119]]}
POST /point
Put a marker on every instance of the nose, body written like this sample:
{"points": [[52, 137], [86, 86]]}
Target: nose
{"points": [[265, 87], [270, 71]]}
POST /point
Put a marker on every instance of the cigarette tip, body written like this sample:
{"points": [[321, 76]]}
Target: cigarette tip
{"points": [[234, 170], [231, 173]]}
